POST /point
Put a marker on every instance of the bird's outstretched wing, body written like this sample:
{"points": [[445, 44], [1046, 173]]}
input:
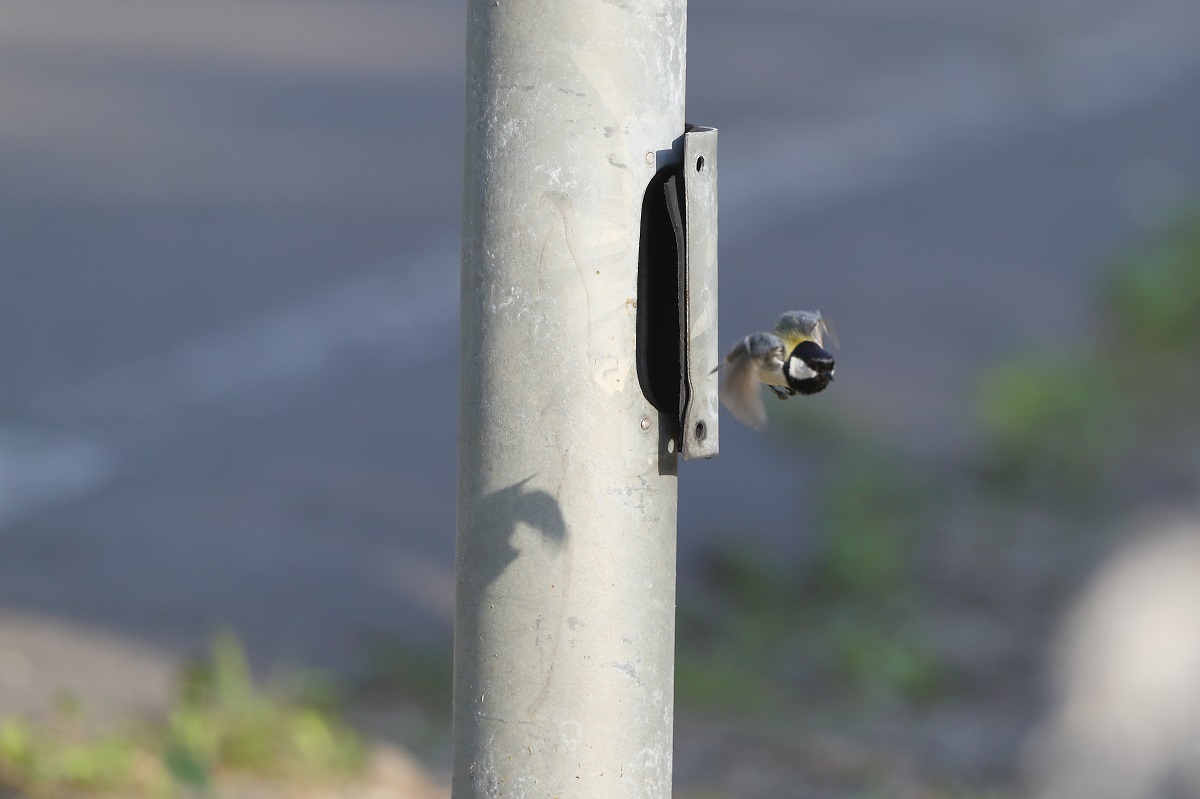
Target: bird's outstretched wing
{"points": [[828, 333], [740, 381]]}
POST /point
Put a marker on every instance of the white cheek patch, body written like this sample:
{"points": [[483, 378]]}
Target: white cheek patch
{"points": [[799, 370]]}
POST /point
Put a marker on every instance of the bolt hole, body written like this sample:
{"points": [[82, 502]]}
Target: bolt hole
{"points": [[700, 163], [701, 431]]}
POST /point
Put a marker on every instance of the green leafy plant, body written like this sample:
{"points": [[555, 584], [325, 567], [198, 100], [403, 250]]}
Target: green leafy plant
{"points": [[1064, 424], [220, 723], [1054, 424], [836, 621], [887, 661], [1153, 295], [58, 757], [869, 520], [223, 721]]}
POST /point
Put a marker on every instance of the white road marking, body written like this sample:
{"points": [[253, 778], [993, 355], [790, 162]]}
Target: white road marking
{"points": [[407, 313], [37, 469]]}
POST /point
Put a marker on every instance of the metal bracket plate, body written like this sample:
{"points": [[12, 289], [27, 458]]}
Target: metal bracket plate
{"points": [[698, 296]]}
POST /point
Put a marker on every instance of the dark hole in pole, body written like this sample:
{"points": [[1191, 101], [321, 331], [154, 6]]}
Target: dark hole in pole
{"points": [[659, 254]]}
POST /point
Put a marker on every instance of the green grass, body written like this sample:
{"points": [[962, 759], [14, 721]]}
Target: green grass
{"points": [[224, 721], [1152, 300], [871, 514], [885, 662], [1069, 424], [1054, 425], [50, 760], [221, 723], [725, 682], [838, 622]]}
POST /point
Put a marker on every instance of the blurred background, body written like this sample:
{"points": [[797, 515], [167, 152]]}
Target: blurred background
{"points": [[229, 234]]}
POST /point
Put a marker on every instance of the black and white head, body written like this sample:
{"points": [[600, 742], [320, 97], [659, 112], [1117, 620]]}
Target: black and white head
{"points": [[809, 368]]}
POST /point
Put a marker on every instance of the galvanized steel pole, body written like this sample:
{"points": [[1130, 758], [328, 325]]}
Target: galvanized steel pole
{"points": [[564, 636]]}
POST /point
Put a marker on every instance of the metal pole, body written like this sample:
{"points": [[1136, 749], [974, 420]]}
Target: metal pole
{"points": [[564, 634]]}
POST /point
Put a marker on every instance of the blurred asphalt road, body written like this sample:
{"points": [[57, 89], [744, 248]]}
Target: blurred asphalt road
{"points": [[229, 236]]}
